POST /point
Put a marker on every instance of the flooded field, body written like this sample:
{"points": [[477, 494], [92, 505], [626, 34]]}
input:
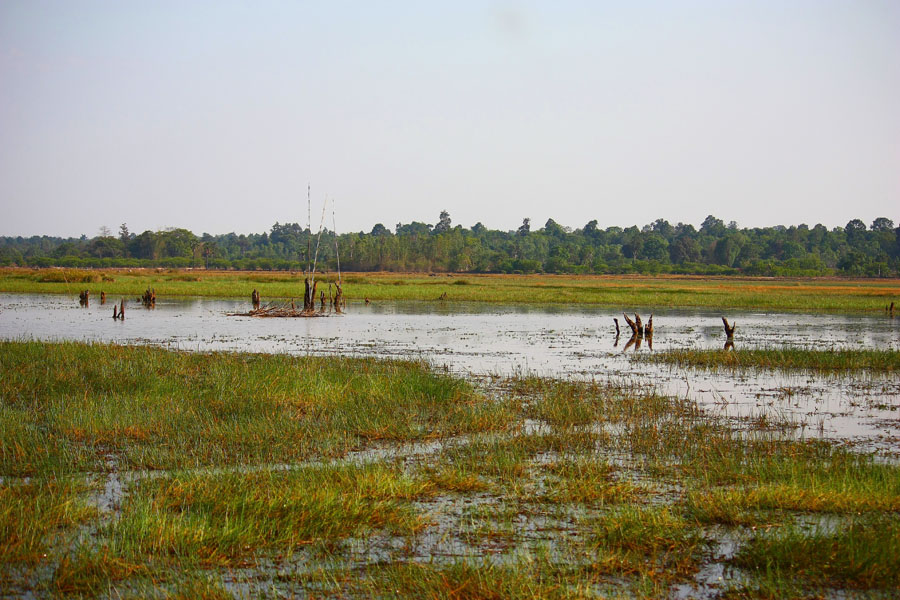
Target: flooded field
{"points": [[484, 340]]}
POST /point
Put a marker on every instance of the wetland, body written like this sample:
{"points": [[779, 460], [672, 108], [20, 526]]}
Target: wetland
{"points": [[447, 450]]}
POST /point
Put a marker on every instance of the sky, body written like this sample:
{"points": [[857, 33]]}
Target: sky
{"points": [[216, 116]]}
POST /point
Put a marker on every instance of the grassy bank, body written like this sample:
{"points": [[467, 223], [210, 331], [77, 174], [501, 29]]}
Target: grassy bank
{"points": [[823, 361], [158, 473], [632, 291]]}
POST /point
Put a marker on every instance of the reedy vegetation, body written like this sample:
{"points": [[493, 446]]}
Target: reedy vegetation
{"points": [[731, 293], [567, 489]]}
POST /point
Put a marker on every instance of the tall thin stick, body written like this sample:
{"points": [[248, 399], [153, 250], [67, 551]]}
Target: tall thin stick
{"points": [[312, 279], [337, 253], [308, 225]]}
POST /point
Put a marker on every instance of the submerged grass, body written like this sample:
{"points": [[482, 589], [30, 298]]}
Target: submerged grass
{"points": [[838, 295], [218, 518], [70, 406], [34, 514], [539, 488], [864, 553], [881, 361]]}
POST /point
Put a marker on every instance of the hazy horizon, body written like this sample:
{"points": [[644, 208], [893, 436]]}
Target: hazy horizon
{"points": [[215, 116]]}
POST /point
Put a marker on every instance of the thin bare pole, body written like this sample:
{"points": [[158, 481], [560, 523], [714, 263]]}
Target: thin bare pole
{"points": [[312, 278], [337, 253], [308, 225]]}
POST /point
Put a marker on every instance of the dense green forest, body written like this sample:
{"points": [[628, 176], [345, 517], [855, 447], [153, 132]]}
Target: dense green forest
{"points": [[660, 247]]}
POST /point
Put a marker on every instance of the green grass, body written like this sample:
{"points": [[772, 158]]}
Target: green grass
{"points": [[532, 487], [34, 515], [732, 293], [879, 361], [68, 407], [865, 553], [220, 518]]}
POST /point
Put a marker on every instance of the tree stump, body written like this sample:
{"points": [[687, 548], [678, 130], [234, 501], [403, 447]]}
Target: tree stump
{"points": [[254, 298], [729, 329]]}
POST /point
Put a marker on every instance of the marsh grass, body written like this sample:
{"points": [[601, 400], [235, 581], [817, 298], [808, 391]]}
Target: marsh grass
{"points": [[653, 541], [879, 361], [554, 488], [863, 553], [35, 515], [70, 406], [218, 518], [836, 295]]}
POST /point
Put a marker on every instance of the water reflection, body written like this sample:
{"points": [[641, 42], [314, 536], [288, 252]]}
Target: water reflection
{"points": [[557, 341]]}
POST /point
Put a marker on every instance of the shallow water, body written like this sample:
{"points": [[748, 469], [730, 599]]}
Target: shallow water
{"points": [[557, 341]]}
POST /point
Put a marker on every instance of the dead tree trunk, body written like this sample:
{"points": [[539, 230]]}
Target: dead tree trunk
{"points": [[115, 314], [648, 328], [729, 329], [254, 298], [102, 298], [634, 329], [122, 310], [617, 326]]}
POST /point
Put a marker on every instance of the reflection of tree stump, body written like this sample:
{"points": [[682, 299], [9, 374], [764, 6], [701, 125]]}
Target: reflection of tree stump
{"points": [[729, 329], [729, 344], [339, 298]]}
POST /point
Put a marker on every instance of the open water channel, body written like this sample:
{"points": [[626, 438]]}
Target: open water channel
{"points": [[477, 340]]}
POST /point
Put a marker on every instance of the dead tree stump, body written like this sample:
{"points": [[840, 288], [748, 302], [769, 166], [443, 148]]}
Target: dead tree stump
{"points": [[617, 326], [254, 298], [339, 298], [729, 329], [648, 328], [149, 298], [122, 310], [102, 298], [634, 328]]}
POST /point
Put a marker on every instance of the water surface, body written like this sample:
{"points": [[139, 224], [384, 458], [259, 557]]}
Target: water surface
{"points": [[556, 341]]}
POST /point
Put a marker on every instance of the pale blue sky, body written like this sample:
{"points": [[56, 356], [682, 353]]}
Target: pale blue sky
{"points": [[215, 115]]}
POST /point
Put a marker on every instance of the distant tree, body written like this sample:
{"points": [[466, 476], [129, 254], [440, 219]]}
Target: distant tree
{"points": [[662, 227], [380, 230], [656, 248], [478, 228], [684, 249], [712, 226], [443, 224], [105, 231], [856, 232], [553, 228], [525, 227], [882, 224]]}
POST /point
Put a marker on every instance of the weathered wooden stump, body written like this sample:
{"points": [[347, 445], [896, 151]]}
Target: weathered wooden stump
{"points": [[102, 298], [616, 321], [729, 329], [254, 299]]}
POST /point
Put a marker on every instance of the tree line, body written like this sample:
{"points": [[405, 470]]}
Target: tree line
{"points": [[658, 247]]}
